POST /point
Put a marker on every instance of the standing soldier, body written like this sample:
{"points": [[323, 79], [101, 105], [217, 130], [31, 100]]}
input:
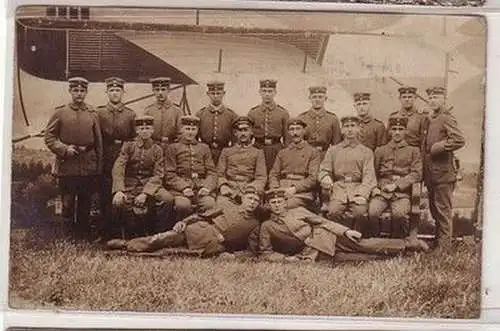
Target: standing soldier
{"points": [[216, 120], [240, 166], [372, 132], [137, 181], [74, 136], [443, 138], [270, 121], [296, 168], [166, 115], [190, 171], [417, 123], [398, 166], [323, 127], [117, 126], [348, 173]]}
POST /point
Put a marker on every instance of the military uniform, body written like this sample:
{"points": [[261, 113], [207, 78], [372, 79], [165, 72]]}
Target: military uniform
{"points": [[76, 125], [139, 169], [189, 164], [215, 231], [350, 167], [443, 138], [270, 129], [372, 133], [323, 128], [216, 124], [166, 116], [117, 126], [399, 164], [296, 166]]}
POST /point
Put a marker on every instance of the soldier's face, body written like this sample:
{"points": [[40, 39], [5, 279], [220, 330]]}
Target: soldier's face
{"points": [[189, 132], [161, 93], [243, 133], [78, 94], [216, 97], [362, 107], [144, 131], [250, 202], [436, 101], [115, 94], [407, 100], [350, 130], [317, 100], [398, 133], [267, 94], [297, 132], [277, 205]]}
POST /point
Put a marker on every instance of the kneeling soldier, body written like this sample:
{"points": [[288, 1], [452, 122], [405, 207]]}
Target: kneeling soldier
{"points": [[296, 168], [137, 179], [213, 232], [398, 166], [298, 230], [190, 171]]}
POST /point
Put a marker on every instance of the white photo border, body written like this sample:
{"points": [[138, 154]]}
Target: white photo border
{"points": [[490, 299]]}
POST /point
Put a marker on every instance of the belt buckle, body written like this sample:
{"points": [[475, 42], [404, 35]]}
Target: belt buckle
{"points": [[118, 141], [348, 179], [268, 141], [215, 145], [164, 139], [194, 175]]}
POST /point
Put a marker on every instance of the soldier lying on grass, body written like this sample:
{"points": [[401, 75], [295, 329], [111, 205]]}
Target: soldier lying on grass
{"points": [[212, 232]]}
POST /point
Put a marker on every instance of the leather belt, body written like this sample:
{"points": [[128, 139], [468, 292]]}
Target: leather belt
{"points": [[292, 176], [83, 148], [347, 179]]}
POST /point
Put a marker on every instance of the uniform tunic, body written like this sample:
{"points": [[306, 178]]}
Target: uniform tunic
{"points": [[297, 165], [417, 126], [166, 121], [323, 128], [216, 127], [372, 133]]}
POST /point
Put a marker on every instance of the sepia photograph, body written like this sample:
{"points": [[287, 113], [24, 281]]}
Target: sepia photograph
{"points": [[263, 162]]}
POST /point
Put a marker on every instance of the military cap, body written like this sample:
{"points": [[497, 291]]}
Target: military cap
{"points": [[362, 96], [407, 89], [398, 121], [251, 190], [242, 120], [296, 121], [215, 85], [317, 89], [144, 120], [190, 120], [346, 119], [268, 83], [114, 82], [436, 90], [78, 81], [275, 193], [160, 81]]}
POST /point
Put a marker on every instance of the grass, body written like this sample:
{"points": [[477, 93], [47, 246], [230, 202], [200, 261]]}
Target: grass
{"points": [[66, 275]]}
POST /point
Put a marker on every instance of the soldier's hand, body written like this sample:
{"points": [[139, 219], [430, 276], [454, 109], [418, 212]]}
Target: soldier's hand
{"points": [[390, 187], [188, 192], [71, 151], [119, 199], [359, 200], [203, 192], [140, 200], [326, 183], [290, 191], [353, 235], [179, 227], [226, 191]]}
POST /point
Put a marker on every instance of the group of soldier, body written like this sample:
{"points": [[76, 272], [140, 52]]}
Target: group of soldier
{"points": [[283, 188]]}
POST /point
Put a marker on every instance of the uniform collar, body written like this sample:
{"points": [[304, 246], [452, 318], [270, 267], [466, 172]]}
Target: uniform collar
{"points": [[401, 144], [185, 142], [115, 107], [300, 145], [407, 113], [436, 113], [243, 146], [318, 112], [144, 143], [345, 143], [366, 119], [165, 104], [216, 109], [268, 107], [81, 106]]}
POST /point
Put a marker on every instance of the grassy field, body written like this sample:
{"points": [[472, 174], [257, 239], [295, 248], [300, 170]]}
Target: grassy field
{"points": [[48, 271]]}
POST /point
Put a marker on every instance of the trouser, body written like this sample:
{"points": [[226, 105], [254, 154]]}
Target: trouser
{"points": [[76, 194], [400, 208], [440, 204], [270, 153], [349, 214], [185, 206]]}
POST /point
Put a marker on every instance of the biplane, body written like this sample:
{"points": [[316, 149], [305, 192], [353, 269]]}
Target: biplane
{"points": [[82, 41]]}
